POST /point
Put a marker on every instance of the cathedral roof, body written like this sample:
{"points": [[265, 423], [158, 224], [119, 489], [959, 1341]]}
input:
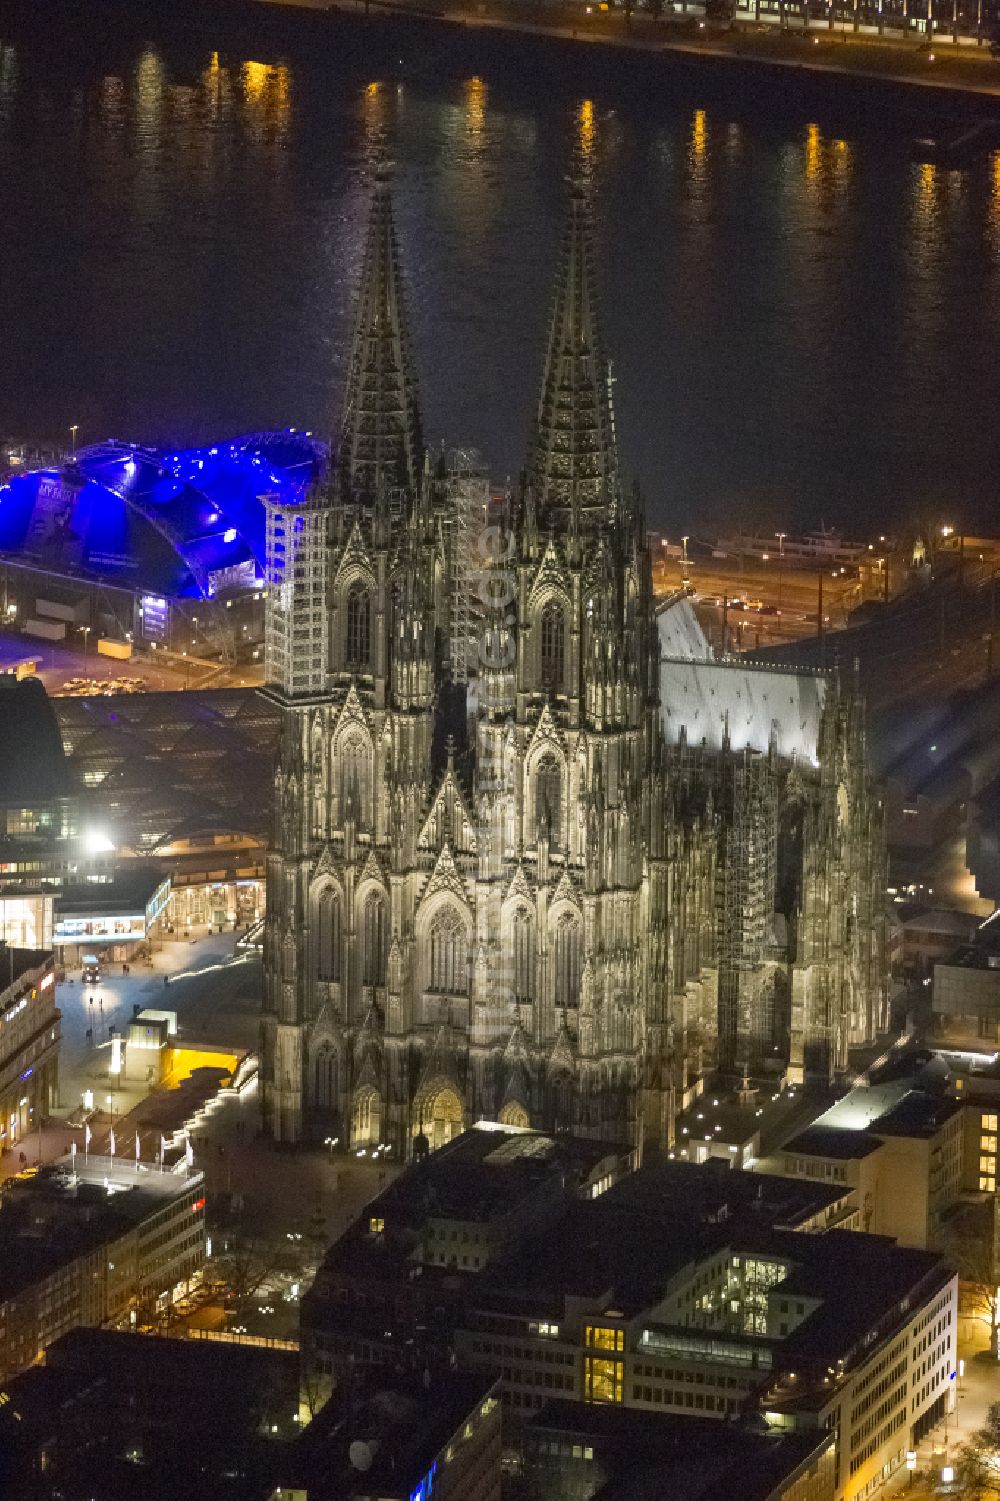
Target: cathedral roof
{"points": [[380, 441], [680, 630], [573, 464], [705, 700]]}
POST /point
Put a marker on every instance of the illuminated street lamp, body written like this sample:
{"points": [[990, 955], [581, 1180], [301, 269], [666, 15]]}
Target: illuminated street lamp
{"points": [[781, 543], [74, 429], [85, 632]]}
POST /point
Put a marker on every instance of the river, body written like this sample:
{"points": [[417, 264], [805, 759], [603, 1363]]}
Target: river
{"points": [[803, 318]]}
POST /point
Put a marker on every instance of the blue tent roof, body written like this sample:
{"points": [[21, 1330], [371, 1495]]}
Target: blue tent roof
{"points": [[176, 521]]}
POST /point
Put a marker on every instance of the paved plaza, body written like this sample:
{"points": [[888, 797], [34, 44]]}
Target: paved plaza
{"points": [[284, 1206]]}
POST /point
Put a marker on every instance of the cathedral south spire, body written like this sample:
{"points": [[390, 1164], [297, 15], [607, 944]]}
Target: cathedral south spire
{"points": [[381, 447], [573, 466]]}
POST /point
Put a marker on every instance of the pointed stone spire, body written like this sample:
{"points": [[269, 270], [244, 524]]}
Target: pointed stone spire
{"points": [[380, 440], [573, 466]]}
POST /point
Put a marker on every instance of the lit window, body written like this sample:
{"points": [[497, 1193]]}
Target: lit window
{"points": [[377, 1225], [989, 1122], [987, 1185], [603, 1380], [599, 1338]]}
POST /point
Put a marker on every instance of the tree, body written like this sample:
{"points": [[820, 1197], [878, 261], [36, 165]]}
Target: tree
{"points": [[979, 1460], [971, 1243]]}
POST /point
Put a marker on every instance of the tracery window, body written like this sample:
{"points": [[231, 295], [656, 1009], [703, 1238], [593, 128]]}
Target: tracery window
{"points": [[359, 628], [355, 779], [548, 798], [328, 929], [567, 960], [376, 936], [325, 1079], [449, 971], [524, 956], [553, 643]]}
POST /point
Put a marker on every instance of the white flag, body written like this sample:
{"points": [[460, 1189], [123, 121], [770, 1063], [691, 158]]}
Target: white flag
{"points": [[72, 1152], [137, 1147], [163, 1149], [86, 1138], [188, 1150], [112, 1147]]}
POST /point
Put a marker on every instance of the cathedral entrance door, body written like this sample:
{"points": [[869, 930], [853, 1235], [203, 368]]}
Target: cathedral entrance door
{"points": [[443, 1118]]}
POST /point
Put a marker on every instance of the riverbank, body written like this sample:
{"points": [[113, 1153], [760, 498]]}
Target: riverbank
{"points": [[859, 77], [817, 49]]}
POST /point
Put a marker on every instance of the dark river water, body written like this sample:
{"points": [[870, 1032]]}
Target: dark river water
{"points": [[804, 320]]}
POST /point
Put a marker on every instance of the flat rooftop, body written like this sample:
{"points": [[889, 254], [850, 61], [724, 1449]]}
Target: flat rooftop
{"points": [[832, 1141], [405, 1422], [631, 1241], [17, 962], [883, 1278], [129, 893], [654, 1455], [57, 1216]]}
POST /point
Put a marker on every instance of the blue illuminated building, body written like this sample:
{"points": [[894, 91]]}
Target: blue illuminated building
{"points": [[180, 522]]}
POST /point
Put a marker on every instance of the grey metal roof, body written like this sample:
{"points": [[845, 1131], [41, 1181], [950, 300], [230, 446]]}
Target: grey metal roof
{"points": [[705, 699]]}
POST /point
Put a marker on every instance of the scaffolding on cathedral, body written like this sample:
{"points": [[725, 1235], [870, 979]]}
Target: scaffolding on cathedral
{"points": [[746, 876], [295, 575], [468, 495]]}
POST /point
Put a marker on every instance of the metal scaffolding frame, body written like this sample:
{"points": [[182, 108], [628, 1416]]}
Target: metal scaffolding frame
{"points": [[468, 493]]}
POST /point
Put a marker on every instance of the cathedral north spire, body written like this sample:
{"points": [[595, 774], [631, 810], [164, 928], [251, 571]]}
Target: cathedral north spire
{"points": [[573, 467], [381, 445]]}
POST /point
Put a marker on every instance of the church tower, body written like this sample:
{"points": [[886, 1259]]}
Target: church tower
{"points": [[579, 727], [352, 624]]}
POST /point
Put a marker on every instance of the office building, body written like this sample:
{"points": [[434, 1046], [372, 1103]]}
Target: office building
{"points": [[93, 1242], [29, 1043]]}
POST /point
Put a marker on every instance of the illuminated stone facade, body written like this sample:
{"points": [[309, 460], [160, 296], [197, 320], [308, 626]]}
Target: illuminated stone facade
{"points": [[498, 884]]}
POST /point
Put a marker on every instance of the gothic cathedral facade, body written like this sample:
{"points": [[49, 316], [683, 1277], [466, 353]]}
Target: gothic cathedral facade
{"points": [[498, 887]]}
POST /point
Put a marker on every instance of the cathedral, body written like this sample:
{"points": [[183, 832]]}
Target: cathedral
{"points": [[539, 856]]}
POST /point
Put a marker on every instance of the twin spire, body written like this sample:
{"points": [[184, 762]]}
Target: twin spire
{"points": [[381, 444], [573, 465]]}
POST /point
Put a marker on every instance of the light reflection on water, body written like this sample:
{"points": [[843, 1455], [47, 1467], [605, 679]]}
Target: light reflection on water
{"points": [[802, 324]]}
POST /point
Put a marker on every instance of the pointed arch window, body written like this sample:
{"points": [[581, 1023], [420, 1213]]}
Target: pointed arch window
{"points": [[524, 956], [548, 799], [567, 961], [448, 953], [355, 779], [328, 935], [376, 935], [325, 1079], [359, 626], [553, 646]]}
